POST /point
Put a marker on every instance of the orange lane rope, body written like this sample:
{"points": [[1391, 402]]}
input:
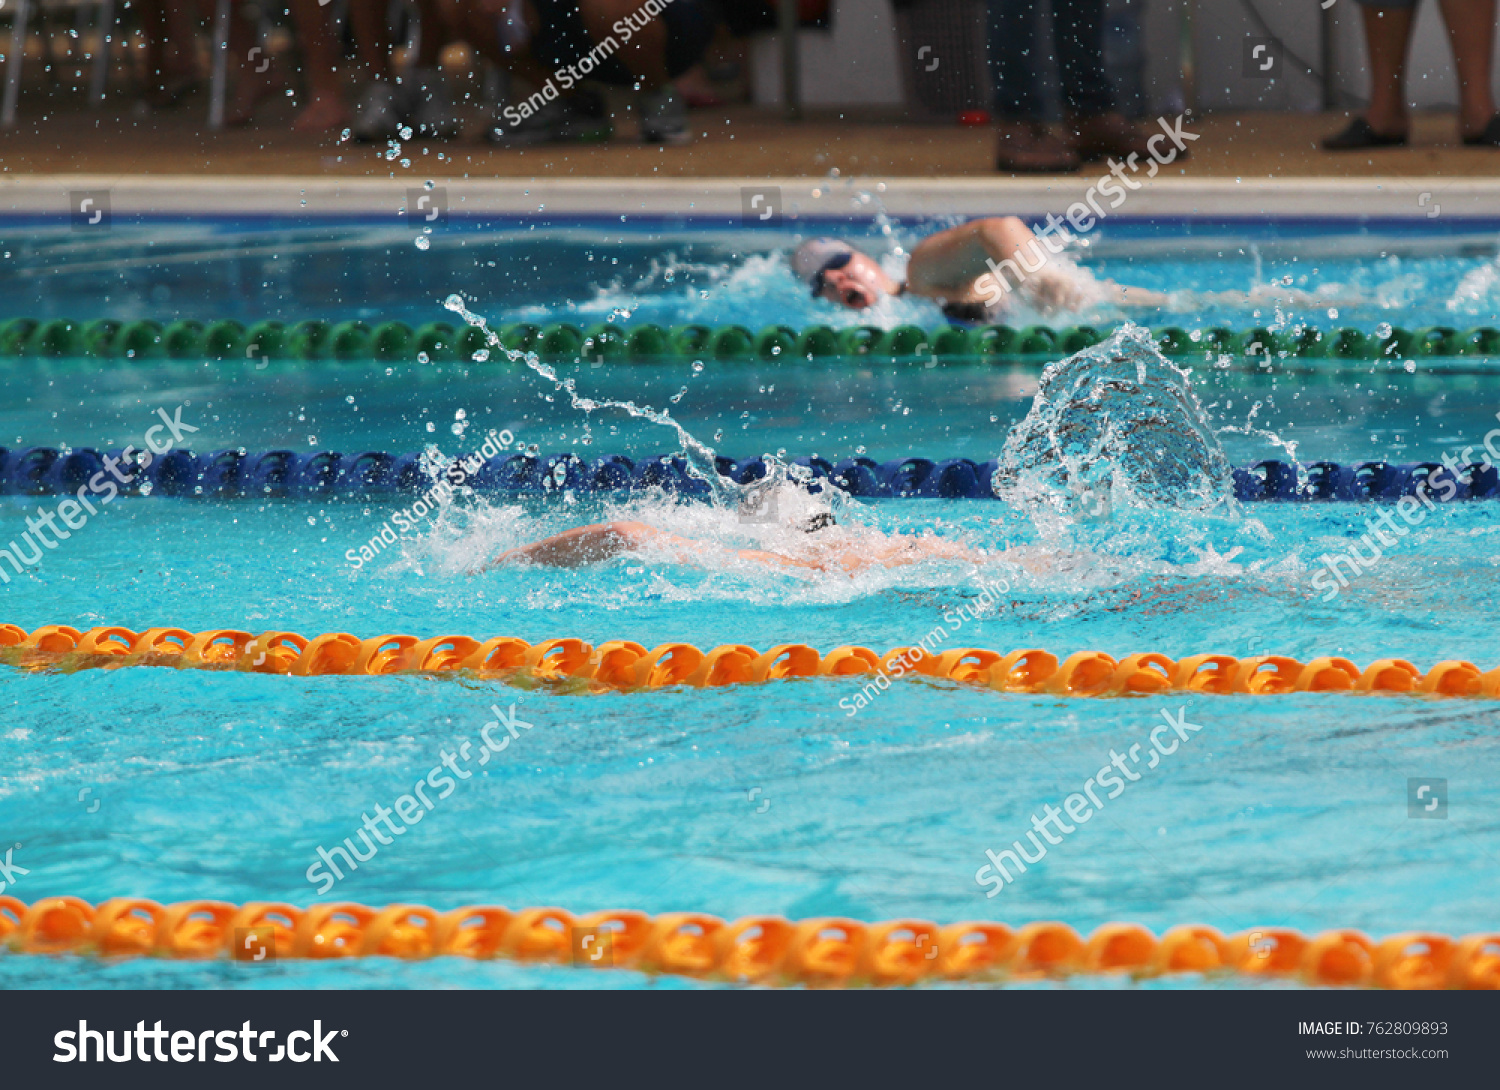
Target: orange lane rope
{"points": [[827, 951], [625, 664]]}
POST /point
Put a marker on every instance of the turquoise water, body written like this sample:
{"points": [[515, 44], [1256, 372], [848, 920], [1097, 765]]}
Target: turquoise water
{"points": [[543, 267], [1279, 811]]}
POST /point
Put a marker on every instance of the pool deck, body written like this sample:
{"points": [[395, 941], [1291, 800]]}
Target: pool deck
{"points": [[1243, 164], [168, 195]]}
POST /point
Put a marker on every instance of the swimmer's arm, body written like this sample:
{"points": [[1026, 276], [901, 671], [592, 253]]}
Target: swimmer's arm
{"points": [[949, 262], [1124, 296], [902, 549], [591, 544], [760, 556]]}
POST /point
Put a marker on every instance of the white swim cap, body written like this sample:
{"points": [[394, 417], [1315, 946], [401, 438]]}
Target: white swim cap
{"points": [[814, 256]]}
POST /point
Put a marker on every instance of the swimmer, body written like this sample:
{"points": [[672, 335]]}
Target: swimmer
{"points": [[829, 547], [973, 272], [976, 273]]}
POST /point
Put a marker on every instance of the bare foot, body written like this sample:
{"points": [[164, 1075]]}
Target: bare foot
{"points": [[325, 111]]}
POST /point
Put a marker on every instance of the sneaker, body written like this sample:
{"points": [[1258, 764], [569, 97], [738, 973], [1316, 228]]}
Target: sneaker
{"points": [[557, 122], [426, 105], [664, 118], [376, 118]]}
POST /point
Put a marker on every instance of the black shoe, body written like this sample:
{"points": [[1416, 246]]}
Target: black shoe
{"points": [[1489, 138], [1359, 135]]}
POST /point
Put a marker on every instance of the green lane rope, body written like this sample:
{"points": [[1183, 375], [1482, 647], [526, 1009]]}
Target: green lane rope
{"points": [[440, 341]]}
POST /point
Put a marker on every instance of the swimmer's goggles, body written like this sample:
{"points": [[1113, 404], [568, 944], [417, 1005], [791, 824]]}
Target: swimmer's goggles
{"points": [[837, 261]]}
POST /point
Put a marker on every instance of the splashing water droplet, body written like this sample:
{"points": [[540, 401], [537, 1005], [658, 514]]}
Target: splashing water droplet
{"points": [[480, 356], [422, 242], [422, 357], [1115, 420], [1383, 330], [1333, 313], [429, 184]]}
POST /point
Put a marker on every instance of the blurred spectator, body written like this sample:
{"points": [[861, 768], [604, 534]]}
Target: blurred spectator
{"points": [[325, 107], [171, 52], [417, 97], [1388, 27], [555, 45], [1093, 127]]}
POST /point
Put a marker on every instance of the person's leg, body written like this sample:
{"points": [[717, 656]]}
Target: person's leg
{"points": [[1097, 130], [250, 64], [326, 108], [1387, 25], [171, 67], [501, 30], [645, 54], [582, 546], [1078, 38], [1024, 144], [372, 36], [437, 32], [1471, 30], [1012, 55], [1387, 36]]}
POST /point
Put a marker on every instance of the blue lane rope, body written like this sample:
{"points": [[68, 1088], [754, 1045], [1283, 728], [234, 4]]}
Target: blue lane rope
{"points": [[40, 471]]}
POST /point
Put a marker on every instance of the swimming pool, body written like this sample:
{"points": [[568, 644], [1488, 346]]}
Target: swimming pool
{"points": [[742, 800]]}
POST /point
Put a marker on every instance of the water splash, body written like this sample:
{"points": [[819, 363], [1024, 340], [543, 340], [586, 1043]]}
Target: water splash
{"points": [[698, 456], [786, 492], [1114, 425]]}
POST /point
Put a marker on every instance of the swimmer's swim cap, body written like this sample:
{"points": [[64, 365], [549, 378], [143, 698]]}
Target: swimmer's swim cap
{"points": [[815, 256]]}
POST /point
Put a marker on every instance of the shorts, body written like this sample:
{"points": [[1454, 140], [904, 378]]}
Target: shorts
{"points": [[563, 40]]}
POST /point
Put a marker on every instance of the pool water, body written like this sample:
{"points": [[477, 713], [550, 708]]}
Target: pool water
{"points": [[1285, 811]]}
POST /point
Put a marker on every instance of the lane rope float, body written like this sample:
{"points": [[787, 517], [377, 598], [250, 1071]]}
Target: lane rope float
{"points": [[606, 342], [574, 664], [41, 471], [768, 950]]}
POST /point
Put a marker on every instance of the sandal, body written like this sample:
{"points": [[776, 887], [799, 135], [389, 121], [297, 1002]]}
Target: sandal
{"points": [[1488, 138], [1360, 134]]}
